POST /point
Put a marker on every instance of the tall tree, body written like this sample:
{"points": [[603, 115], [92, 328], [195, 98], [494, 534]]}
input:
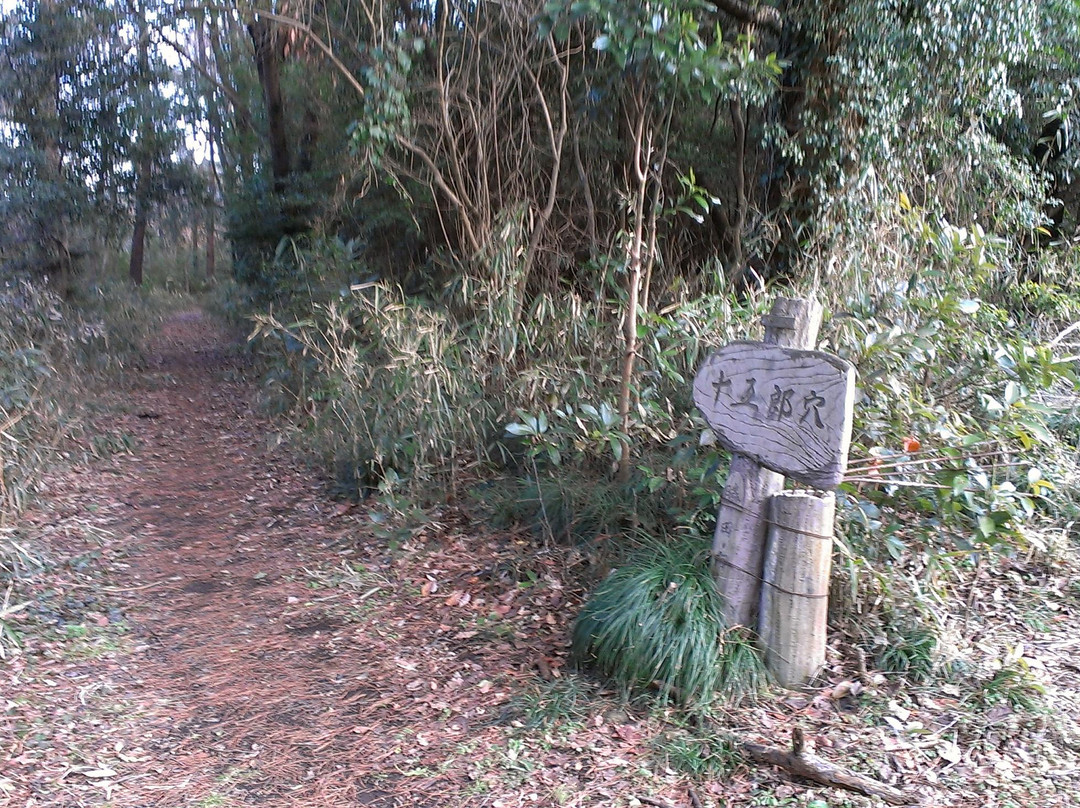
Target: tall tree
{"points": [[142, 81]]}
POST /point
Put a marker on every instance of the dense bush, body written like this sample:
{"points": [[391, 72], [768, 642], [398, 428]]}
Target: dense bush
{"points": [[657, 622]]}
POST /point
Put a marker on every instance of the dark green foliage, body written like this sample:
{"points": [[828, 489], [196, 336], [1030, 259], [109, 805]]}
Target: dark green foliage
{"points": [[657, 622], [570, 507], [909, 652], [264, 226], [678, 489], [550, 703], [698, 756]]}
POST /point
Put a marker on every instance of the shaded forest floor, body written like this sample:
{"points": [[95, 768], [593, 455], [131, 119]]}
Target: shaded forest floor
{"points": [[211, 630]]}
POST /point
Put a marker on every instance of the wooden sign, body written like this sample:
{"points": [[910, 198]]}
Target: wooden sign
{"points": [[790, 410]]}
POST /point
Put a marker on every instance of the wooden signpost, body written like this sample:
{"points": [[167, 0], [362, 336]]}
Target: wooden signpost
{"points": [[781, 407], [782, 410]]}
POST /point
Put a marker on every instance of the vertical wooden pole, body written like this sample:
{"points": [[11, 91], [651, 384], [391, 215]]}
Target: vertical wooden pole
{"points": [[739, 541], [795, 591]]}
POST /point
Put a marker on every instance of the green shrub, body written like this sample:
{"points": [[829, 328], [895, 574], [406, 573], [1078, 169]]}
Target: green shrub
{"points": [[657, 622]]}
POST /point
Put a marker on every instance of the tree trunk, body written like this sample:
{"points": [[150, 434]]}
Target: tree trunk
{"points": [[269, 53], [138, 236], [211, 118], [196, 216], [44, 133], [309, 139], [211, 237], [641, 159], [142, 186]]}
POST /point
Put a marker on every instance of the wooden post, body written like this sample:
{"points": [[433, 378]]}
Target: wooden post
{"points": [[739, 540], [795, 590]]}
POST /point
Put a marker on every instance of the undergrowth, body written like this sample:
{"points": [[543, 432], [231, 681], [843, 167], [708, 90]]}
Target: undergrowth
{"points": [[657, 623], [46, 343], [963, 445]]}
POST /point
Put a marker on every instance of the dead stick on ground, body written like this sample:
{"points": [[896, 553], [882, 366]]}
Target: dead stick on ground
{"points": [[657, 803], [810, 766], [119, 588]]}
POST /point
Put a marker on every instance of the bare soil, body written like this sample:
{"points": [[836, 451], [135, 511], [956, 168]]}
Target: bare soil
{"points": [[213, 630]]}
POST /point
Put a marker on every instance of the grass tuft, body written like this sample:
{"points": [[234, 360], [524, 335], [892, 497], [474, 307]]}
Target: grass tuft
{"points": [[551, 703], [910, 652], [657, 622]]}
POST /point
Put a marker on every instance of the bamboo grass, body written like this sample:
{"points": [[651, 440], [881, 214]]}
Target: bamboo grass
{"points": [[657, 622]]}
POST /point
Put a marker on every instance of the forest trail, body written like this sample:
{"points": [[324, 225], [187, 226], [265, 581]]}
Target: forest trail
{"points": [[227, 635], [212, 631]]}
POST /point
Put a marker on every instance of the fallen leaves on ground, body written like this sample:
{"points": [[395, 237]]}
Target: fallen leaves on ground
{"points": [[212, 630]]}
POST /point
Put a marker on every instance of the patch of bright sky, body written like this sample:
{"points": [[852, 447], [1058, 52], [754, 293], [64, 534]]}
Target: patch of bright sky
{"points": [[195, 134]]}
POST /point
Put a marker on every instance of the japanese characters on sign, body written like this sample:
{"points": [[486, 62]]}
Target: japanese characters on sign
{"points": [[789, 410]]}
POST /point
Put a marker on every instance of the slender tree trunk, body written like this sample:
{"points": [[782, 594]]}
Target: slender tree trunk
{"points": [[557, 140], [738, 222], [211, 141], [138, 241], [641, 158], [196, 215], [269, 53], [309, 139], [211, 250], [44, 132], [142, 184]]}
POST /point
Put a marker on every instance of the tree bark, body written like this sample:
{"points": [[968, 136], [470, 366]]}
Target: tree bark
{"points": [[138, 235], [811, 767], [269, 53], [142, 183], [196, 216], [211, 118], [44, 130], [639, 172]]}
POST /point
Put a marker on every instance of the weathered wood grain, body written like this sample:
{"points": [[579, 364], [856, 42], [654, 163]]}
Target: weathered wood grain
{"points": [[790, 410], [812, 767], [795, 585], [739, 540]]}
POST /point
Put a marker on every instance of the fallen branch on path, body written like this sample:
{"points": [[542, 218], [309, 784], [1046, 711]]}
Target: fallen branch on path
{"points": [[808, 765]]}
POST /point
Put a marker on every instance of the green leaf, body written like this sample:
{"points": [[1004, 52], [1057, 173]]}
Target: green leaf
{"points": [[987, 526]]}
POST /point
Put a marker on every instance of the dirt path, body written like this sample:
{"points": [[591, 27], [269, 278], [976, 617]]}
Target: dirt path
{"points": [[211, 630], [230, 636]]}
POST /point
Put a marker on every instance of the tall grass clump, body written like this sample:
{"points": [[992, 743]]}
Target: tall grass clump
{"points": [[657, 622], [391, 386], [34, 343]]}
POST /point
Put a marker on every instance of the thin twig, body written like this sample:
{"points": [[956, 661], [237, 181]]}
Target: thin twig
{"points": [[901, 483], [875, 462], [119, 588], [326, 49], [656, 802], [883, 480]]}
